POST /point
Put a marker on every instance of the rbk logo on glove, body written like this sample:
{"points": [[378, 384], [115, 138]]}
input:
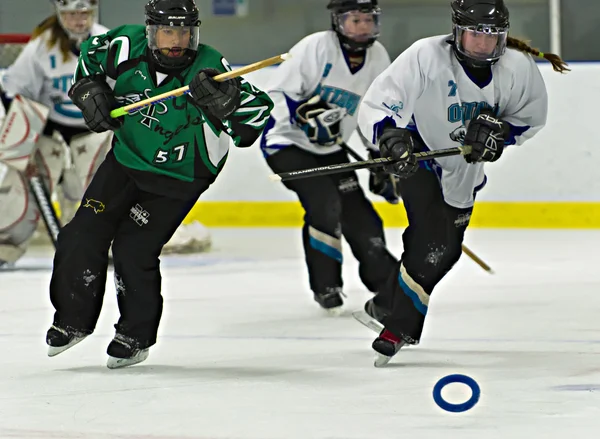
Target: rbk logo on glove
{"points": [[486, 135]]}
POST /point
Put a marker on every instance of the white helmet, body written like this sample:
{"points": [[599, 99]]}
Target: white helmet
{"points": [[76, 17]]}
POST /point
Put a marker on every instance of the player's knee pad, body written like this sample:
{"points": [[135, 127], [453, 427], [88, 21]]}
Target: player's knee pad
{"points": [[324, 211]]}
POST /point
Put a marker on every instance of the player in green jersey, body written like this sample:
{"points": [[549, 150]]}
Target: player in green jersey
{"points": [[163, 158]]}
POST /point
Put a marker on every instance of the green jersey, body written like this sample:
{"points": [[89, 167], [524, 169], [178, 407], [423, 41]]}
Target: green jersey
{"points": [[175, 137]]}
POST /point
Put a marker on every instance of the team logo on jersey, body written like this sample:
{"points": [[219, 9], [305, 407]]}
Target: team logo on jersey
{"points": [[337, 96], [395, 108], [462, 113], [458, 135], [149, 113], [465, 111], [97, 206]]}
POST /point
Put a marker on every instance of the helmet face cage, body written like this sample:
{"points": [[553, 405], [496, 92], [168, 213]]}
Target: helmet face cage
{"points": [[77, 17], [173, 46], [486, 43], [359, 26], [173, 32]]}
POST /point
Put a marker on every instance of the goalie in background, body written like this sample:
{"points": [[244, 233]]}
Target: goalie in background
{"points": [[316, 95], [42, 73], [164, 157]]}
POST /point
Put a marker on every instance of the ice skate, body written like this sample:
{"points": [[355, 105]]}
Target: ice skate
{"points": [[331, 301], [386, 345], [123, 351], [59, 339], [371, 316]]}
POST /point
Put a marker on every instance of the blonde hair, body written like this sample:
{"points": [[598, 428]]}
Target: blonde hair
{"points": [[557, 63], [57, 35]]}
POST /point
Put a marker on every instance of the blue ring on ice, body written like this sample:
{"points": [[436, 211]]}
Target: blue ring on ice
{"points": [[456, 378]]}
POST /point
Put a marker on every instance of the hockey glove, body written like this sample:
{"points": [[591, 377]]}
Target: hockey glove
{"points": [[383, 184], [320, 121], [486, 135], [93, 96], [398, 144], [220, 99]]}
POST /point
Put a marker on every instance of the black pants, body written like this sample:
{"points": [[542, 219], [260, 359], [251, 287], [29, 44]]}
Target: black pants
{"points": [[138, 224], [335, 205], [432, 245]]}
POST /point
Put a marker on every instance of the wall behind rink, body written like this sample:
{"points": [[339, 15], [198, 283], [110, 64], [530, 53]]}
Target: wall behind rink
{"points": [[552, 181]]}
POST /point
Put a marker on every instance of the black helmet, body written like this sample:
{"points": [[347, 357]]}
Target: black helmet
{"points": [[176, 19], [485, 18], [341, 10]]}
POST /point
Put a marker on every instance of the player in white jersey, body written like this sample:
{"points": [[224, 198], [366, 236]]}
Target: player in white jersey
{"points": [[316, 95], [476, 87]]}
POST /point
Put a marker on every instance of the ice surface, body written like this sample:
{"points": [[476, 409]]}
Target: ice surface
{"points": [[245, 353]]}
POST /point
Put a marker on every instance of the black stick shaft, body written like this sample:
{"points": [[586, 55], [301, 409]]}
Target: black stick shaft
{"points": [[365, 164]]}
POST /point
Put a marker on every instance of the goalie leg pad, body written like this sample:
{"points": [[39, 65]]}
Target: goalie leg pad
{"points": [[50, 161], [87, 151], [20, 131], [18, 214]]}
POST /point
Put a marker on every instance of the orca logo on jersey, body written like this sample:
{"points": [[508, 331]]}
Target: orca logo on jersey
{"points": [[458, 135]]}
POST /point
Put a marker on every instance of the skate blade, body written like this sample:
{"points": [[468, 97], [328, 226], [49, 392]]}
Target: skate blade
{"points": [[55, 350], [364, 318], [381, 360], [117, 363]]}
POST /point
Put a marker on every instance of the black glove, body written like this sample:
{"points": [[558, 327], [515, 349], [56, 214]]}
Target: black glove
{"points": [[320, 121], [398, 144], [218, 98], [486, 135], [383, 184], [95, 99]]}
